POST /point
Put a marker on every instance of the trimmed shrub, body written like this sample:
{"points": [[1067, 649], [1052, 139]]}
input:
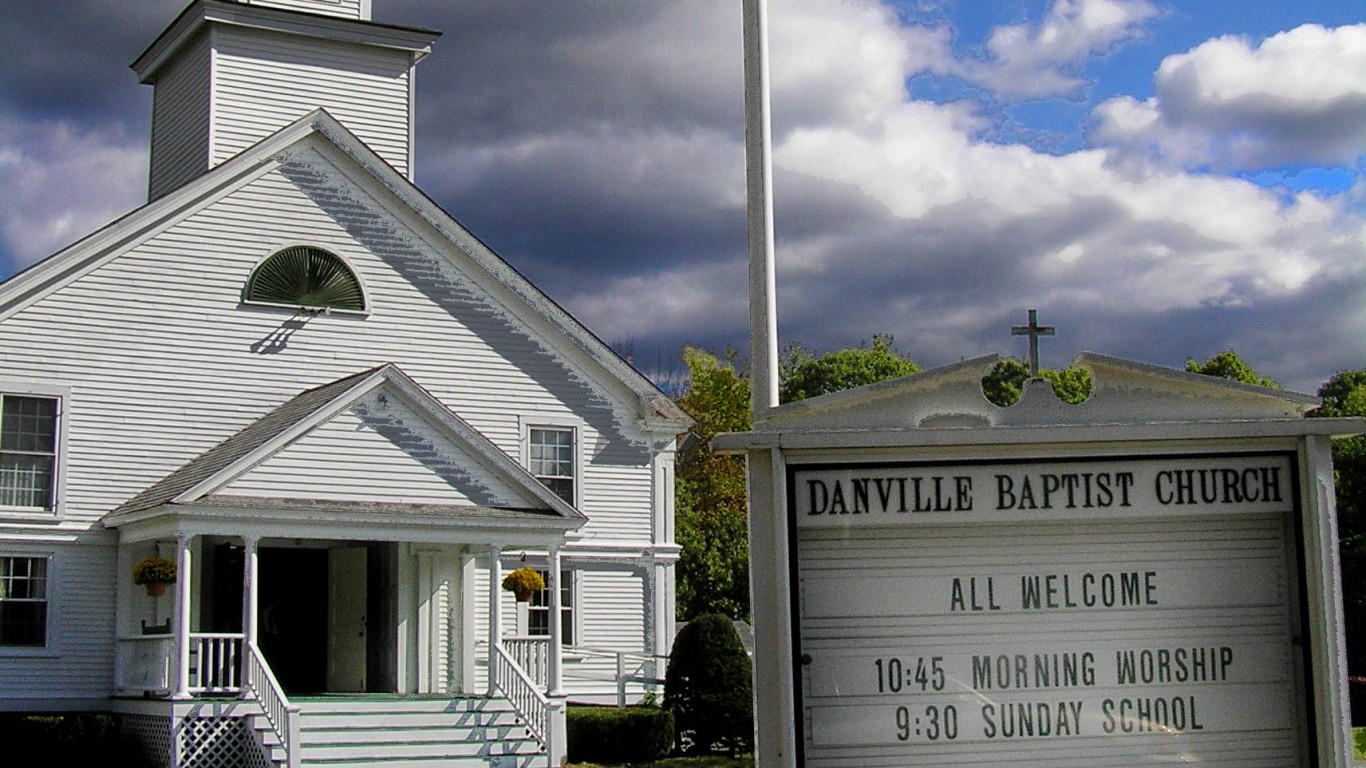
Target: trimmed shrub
{"points": [[612, 735], [708, 688]]}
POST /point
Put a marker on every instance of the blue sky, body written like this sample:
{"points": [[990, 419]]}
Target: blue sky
{"points": [[1161, 179]]}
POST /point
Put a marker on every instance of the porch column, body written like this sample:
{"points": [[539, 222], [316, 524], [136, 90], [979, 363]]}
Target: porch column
{"points": [[182, 622], [250, 595], [251, 587], [495, 613], [557, 743], [554, 681]]}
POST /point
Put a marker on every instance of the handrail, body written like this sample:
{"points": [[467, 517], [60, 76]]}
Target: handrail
{"points": [[265, 689], [527, 700], [531, 652]]}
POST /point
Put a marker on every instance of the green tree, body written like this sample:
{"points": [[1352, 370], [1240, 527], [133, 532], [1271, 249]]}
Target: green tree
{"points": [[1004, 382], [710, 502], [803, 374], [1228, 365], [712, 527], [1345, 395]]}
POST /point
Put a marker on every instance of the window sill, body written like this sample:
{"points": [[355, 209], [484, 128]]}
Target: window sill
{"points": [[313, 311], [29, 515]]}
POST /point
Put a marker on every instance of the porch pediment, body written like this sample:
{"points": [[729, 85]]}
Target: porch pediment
{"points": [[370, 450]]}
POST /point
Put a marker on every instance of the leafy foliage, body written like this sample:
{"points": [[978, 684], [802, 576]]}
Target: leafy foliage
{"points": [[610, 735], [712, 522], [1228, 365], [803, 374], [712, 527], [708, 688], [1345, 395], [1004, 383]]}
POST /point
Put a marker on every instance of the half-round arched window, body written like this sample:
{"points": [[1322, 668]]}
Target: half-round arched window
{"points": [[303, 276]]}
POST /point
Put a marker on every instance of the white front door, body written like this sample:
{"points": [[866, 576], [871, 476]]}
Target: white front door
{"points": [[346, 620]]}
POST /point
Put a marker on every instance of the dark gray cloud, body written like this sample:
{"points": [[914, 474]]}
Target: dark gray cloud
{"points": [[598, 147]]}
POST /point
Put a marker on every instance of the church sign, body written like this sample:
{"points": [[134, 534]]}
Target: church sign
{"points": [[1147, 578], [1072, 606]]}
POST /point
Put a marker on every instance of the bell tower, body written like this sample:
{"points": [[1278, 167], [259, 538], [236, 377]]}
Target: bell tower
{"points": [[346, 9], [228, 73]]}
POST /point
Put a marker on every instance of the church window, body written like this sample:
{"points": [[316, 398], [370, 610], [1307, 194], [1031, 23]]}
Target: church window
{"points": [[551, 459], [303, 276], [538, 610], [23, 601], [28, 451]]}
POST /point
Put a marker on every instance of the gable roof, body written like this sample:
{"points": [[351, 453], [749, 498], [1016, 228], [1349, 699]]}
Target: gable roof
{"points": [[200, 480], [1129, 399], [654, 410]]}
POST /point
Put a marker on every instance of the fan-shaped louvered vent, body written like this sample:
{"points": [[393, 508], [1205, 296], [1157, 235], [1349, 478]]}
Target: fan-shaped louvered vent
{"points": [[306, 277]]}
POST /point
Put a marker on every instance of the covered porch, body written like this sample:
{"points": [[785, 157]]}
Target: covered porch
{"points": [[334, 546], [268, 609]]}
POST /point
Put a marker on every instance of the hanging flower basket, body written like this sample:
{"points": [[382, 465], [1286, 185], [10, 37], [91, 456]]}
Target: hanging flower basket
{"points": [[523, 582], [155, 573]]}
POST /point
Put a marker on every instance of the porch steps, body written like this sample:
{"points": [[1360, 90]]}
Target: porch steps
{"points": [[415, 733]]}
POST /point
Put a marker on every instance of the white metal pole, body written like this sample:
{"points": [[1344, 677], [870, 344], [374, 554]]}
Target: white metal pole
{"points": [[763, 314]]}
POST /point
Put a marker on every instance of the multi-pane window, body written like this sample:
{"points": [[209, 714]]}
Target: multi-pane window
{"points": [[23, 601], [28, 451], [552, 459], [538, 610]]}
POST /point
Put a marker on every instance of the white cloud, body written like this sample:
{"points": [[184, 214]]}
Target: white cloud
{"points": [[61, 182], [1031, 61], [1298, 96], [599, 148]]}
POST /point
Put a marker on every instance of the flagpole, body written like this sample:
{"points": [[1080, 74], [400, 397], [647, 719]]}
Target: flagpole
{"points": [[763, 314]]}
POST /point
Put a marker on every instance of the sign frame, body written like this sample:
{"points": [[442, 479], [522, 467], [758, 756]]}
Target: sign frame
{"points": [[941, 507]]}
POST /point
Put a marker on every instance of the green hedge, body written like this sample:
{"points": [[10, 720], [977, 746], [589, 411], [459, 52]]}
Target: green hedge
{"points": [[612, 735], [71, 739]]}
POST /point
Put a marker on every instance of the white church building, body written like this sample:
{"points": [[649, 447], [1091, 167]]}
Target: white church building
{"points": [[341, 415]]}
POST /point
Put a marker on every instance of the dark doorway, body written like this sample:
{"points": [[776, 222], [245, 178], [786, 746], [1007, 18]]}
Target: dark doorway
{"points": [[293, 617]]}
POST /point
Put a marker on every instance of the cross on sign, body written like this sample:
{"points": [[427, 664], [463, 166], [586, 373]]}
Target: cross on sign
{"points": [[1033, 331]]}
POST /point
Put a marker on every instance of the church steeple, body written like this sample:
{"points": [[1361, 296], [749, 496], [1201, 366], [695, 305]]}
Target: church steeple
{"points": [[228, 73], [347, 9]]}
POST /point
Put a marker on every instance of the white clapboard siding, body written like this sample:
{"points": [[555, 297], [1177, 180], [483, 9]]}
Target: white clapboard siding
{"points": [[157, 340], [180, 119], [350, 9], [350, 459], [856, 596], [263, 81], [163, 361], [77, 667]]}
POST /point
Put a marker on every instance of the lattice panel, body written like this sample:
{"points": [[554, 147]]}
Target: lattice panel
{"points": [[214, 742], [153, 735]]}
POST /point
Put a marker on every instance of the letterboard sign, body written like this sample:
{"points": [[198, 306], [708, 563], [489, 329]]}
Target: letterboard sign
{"points": [[1062, 612]]}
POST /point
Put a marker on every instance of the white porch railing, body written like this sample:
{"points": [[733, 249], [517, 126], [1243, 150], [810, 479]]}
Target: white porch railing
{"points": [[283, 717], [532, 654], [215, 662], [145, 664], [526, 697]]}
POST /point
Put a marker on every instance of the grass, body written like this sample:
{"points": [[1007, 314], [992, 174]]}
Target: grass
{"points": [[706, 761], [1359, 742]]}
